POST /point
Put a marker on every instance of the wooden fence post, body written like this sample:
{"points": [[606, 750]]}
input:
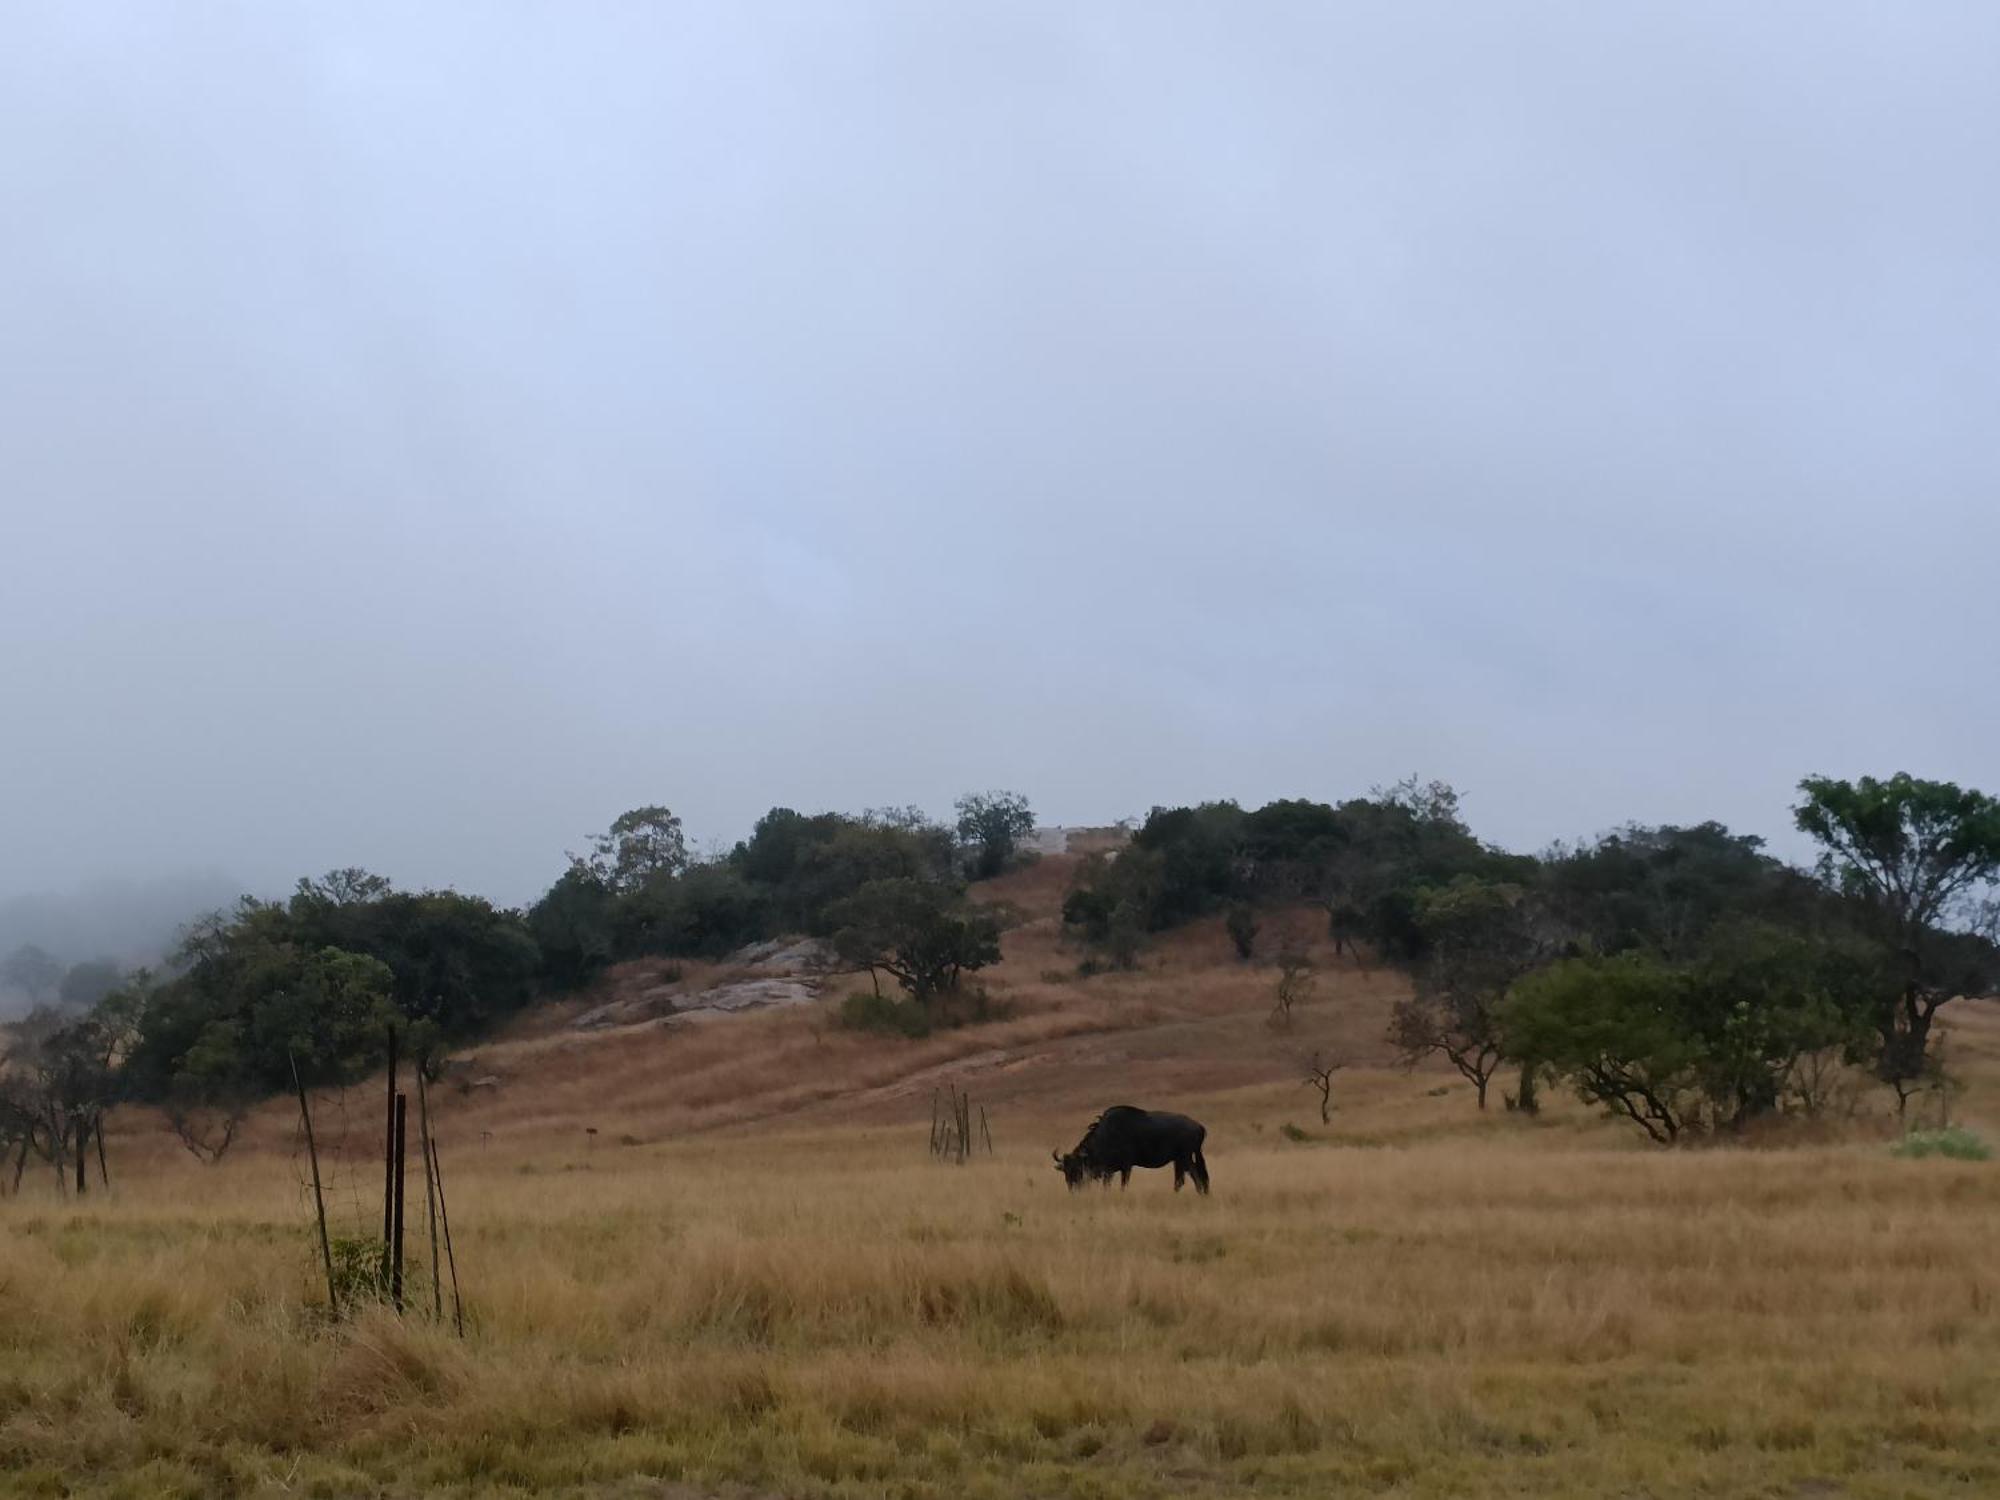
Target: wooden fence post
{"points": [[319, 1198], [430, 1193], [444, 1222], [396, 1241], [389, 1163]]}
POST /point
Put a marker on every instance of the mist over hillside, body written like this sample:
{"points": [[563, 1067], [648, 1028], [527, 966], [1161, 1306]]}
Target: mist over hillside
{"points": [[126, 919]]}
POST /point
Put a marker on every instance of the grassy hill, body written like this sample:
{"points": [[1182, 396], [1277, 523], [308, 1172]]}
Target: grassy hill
{"points": [[753, 1275]]}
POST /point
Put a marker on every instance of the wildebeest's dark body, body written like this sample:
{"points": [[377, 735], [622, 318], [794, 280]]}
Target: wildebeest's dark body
{"points": [[1124, 1137]]}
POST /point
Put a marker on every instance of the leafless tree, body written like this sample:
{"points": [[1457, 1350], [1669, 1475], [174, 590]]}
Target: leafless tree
{"points": [[1320, 1069], [1461, 1028], [206, 1126]]}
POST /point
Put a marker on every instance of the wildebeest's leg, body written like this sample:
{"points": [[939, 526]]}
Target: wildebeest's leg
{"points": [[1180, 1171], [1125, 1178]]}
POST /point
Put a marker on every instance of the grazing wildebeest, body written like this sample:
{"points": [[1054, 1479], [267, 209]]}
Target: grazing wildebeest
{"points": [[1123, 1138]]}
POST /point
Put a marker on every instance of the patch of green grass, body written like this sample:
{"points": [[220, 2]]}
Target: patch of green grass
{"points": [[866, 1011], [1955, 1141]]}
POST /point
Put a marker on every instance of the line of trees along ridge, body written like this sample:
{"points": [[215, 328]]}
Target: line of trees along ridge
{"points": [[1679, 976], [316, 982]]}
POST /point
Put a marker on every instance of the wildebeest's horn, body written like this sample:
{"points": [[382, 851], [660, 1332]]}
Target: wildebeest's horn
{"points": [[1056, 1157]]}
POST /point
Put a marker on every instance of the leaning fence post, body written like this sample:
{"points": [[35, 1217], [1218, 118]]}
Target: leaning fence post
{"points": [[444, 1222], [430, 1193], [319, 1199]]}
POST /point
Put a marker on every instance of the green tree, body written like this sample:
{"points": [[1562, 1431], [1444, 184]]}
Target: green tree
{"points": [[1663, 888], [327, 1011], [643, 843], [1199, 854], [458, 961], [572, 927], [1614, 1027], [703, 913], [1763, 998], [922, 934], [1913, 855], [1478, 940], [992, 826], [1717, 1041]]}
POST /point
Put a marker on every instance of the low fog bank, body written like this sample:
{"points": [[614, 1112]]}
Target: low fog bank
{"points": [[124, 920]]}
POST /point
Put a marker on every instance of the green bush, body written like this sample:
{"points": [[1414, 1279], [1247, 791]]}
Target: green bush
{"points": [[359, 1272], [1956, 1142], [864, 1010]]}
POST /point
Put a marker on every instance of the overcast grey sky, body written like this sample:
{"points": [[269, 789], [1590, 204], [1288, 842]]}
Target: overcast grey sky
{"points": [[428, 430]]}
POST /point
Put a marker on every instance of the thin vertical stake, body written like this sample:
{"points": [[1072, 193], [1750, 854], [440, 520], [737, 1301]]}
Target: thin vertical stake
{"points": [[430, 1193], [444, 1221], [396, 1253], [389, 1162], [319, 1199]]}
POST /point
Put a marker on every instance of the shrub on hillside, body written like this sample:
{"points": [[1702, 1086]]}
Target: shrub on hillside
{"points": [[1241, 924], [884, 1015]]}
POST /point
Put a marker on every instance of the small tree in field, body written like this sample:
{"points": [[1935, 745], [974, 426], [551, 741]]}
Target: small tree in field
{"points": [[1320, 1069], [1479, 944]]}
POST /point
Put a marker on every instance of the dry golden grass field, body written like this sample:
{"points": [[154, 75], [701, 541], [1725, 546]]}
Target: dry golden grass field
{"points": [[752, 1280]]}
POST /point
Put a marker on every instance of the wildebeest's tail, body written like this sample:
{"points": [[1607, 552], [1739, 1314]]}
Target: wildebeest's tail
{"points": [[1200, 1165]]}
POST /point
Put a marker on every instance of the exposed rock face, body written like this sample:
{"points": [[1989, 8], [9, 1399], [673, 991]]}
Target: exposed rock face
{"points": [[785, 956], [783, 971], [748, 994], [623, 1013]]}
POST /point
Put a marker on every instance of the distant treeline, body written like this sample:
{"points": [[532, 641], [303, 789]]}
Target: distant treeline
{"points": [[312, 986], [1680, 976]]}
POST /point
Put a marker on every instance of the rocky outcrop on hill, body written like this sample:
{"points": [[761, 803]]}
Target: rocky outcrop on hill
{"points": [[783, 971]]}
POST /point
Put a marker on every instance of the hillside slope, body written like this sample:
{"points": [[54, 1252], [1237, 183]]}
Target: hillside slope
{"points": [[1193, 1022]]}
